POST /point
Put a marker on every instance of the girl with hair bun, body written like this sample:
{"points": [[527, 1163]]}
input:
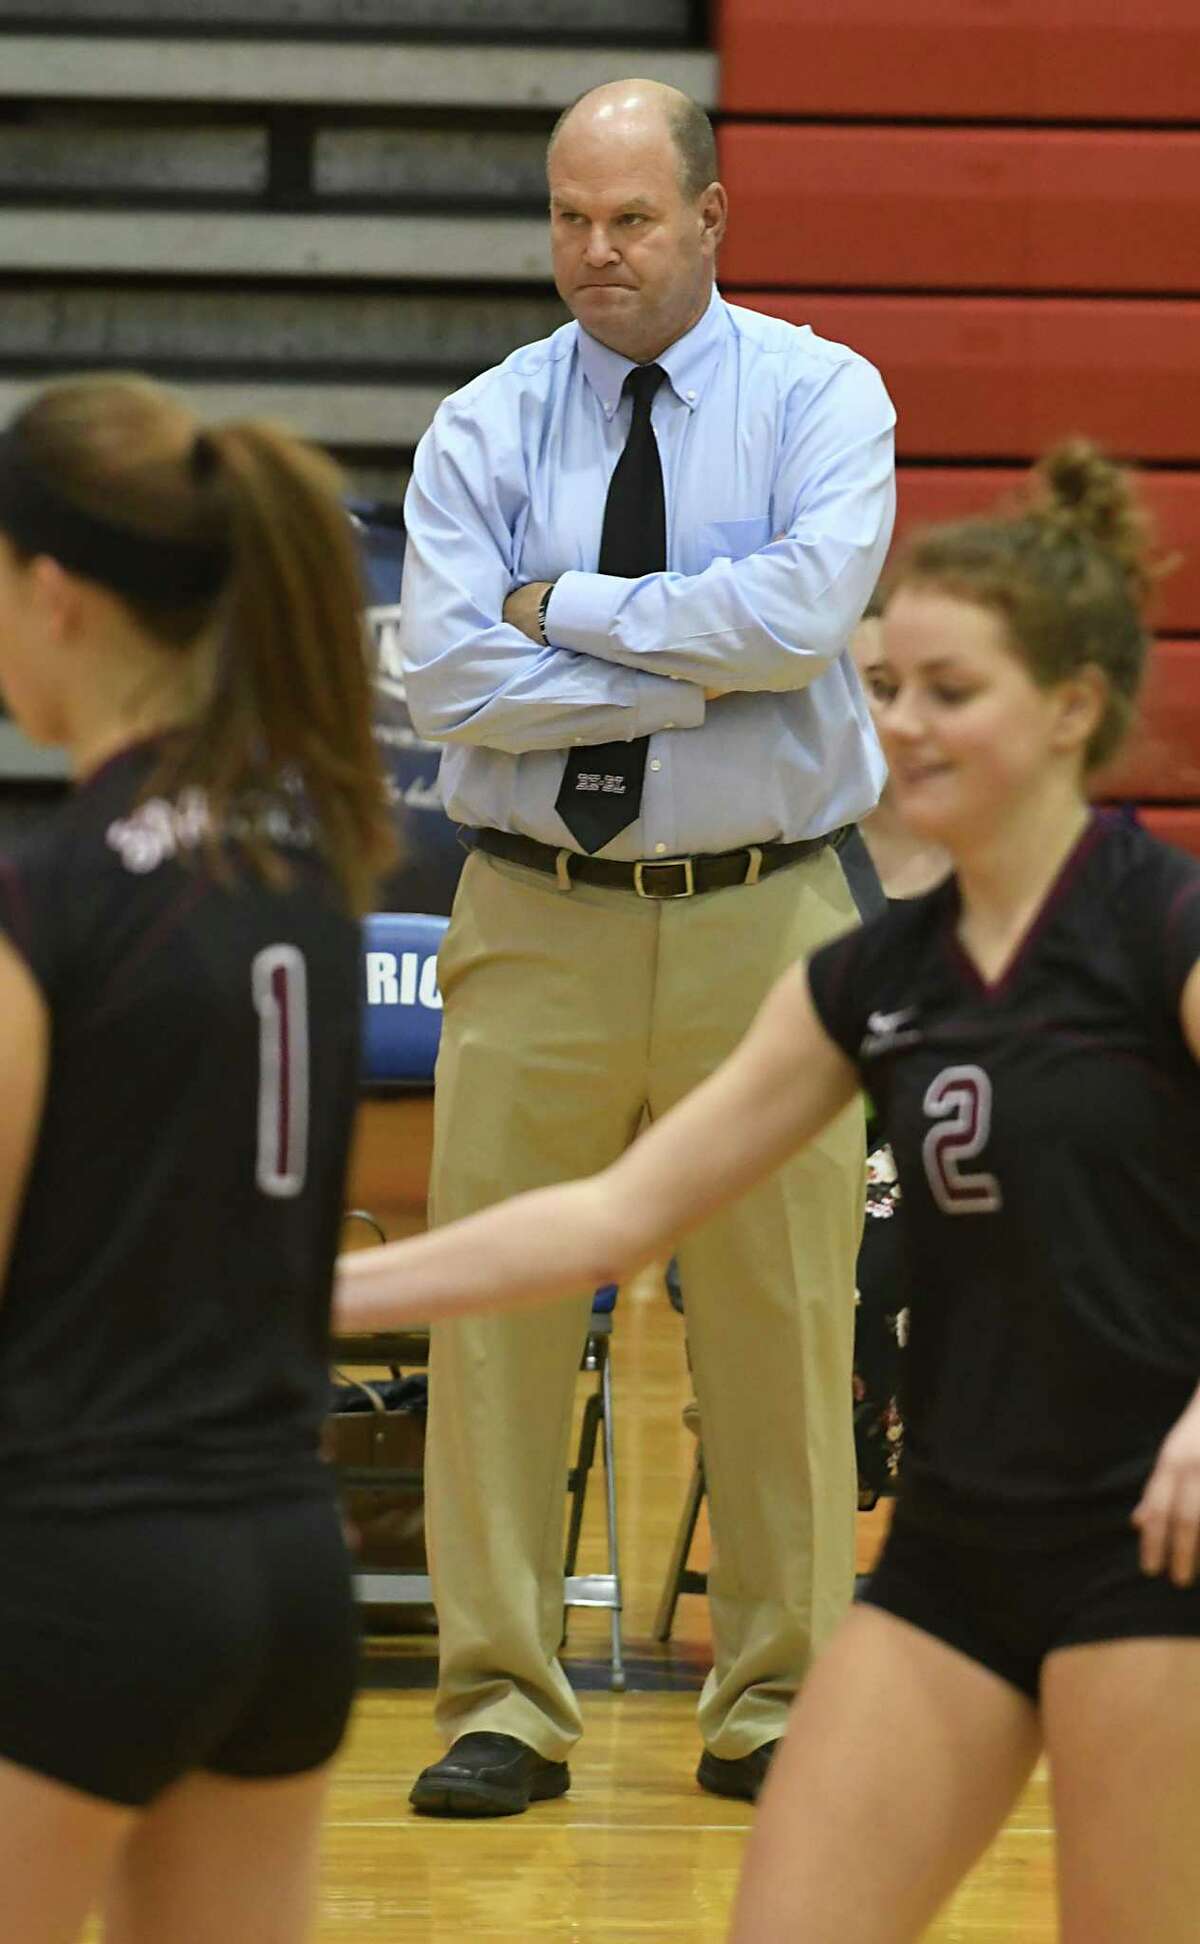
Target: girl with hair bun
{"points": [[1029, 1030], [179, 988]]}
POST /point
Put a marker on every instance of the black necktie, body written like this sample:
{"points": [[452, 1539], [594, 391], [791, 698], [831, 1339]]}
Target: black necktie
{"points": [[601, 789]]}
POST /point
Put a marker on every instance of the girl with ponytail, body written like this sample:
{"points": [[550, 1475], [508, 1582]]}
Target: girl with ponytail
{"points": [[179, 986], [227, 556], [1028, 1030]]}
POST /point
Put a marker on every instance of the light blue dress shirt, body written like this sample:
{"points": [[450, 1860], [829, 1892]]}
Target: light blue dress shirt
{"points": [[777, 458]]}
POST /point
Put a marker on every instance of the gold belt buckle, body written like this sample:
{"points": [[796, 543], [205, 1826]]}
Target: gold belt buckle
{"points": [[644, 864]]}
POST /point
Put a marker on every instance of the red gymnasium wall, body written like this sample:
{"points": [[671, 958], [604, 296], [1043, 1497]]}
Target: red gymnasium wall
{"points": [[998, 202]]}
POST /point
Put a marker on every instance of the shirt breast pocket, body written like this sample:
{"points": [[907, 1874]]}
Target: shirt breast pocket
{"points": [[726, 540]]}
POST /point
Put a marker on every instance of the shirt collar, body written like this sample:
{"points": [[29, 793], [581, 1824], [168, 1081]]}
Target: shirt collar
{"points": [[689, 363]]}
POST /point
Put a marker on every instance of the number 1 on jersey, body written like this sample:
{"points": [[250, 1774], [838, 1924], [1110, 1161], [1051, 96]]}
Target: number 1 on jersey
{"points": [[279, 982]]}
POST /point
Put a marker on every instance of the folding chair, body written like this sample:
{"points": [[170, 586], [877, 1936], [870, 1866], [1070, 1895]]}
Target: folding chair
{"points": [[402, 1024], [680, 1577], [597, 1589]]}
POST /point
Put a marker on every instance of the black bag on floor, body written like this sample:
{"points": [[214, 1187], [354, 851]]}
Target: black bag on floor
{"points": [[375, 1436]]}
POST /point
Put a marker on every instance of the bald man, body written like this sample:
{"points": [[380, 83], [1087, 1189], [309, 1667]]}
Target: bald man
{"points": [[637, 551]]}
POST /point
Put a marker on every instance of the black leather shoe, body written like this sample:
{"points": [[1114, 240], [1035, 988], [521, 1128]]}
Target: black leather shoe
{"points": [[742, 1779], [488, 1775]]}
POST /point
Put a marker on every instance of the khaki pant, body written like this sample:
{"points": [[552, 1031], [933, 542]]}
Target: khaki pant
{"points": [[567, 1014]]}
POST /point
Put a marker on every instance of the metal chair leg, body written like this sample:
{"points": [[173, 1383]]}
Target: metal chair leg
{"points": [[610, 1495], [677, 1566], [596, 1589], [578, 1478]]}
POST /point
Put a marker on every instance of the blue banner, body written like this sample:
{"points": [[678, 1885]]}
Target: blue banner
{"points": [[433, 857]]}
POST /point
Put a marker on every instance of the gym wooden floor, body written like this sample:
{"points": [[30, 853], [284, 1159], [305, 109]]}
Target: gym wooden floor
{"points": [[636, 1851]]}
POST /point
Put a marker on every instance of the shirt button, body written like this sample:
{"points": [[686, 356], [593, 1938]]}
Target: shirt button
{"points": [[659, 849], [655, 763], [668, 725], [691, 395]]}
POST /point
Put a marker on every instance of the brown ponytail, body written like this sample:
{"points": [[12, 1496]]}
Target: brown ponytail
{"points": [[1069, 569], [283, 684], [290, 689]]}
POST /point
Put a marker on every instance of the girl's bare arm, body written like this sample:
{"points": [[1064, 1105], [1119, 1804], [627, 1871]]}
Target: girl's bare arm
{"points": [[775, 1092]]}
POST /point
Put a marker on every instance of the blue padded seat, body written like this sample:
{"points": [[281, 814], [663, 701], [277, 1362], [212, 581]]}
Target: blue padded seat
{"points": [[402, 1012], [402, 1007]]}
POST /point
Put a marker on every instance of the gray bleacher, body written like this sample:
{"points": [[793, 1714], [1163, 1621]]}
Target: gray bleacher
{"points": [[672, 22], [329, 210], [326, 210]]}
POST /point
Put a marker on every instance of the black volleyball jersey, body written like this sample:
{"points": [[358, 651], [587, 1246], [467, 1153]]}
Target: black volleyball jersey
{"points": [[164, 1320], [1046, 1129]]}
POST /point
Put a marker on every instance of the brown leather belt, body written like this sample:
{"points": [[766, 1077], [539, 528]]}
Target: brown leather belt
{"points": [[650, 877]]}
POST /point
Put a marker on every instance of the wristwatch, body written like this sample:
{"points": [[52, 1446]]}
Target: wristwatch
{"points": [[543, 604]]}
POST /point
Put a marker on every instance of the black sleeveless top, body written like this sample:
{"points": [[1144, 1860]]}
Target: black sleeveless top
{"points": [[1045, 1130], [164, 1319]]}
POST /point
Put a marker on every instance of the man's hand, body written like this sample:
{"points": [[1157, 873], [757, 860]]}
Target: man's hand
{"points": [[521, 609]]}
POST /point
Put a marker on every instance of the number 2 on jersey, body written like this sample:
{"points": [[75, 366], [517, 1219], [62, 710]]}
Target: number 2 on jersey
{"points": [[279, 982], [960, 1101]]}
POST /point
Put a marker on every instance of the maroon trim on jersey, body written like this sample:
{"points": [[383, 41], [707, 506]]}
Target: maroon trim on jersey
{"points": [[279, 988], [1098, 826]]}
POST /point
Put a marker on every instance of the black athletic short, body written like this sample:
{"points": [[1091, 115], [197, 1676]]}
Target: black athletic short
{"points": [[138, 1646], [1008, 1606]]}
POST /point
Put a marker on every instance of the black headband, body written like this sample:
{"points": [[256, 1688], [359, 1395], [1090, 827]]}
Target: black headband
{"points": [[38, 519]]}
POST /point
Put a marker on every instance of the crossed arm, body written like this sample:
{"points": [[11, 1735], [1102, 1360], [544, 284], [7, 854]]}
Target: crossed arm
{"points": [[474, 677], [523, 610], [626, 658]]}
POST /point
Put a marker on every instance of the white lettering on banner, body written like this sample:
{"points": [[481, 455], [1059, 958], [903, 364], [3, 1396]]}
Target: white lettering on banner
{"points": [[382, 986], [428, 992], [385, 627], [406, 980], [423, 796]]}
